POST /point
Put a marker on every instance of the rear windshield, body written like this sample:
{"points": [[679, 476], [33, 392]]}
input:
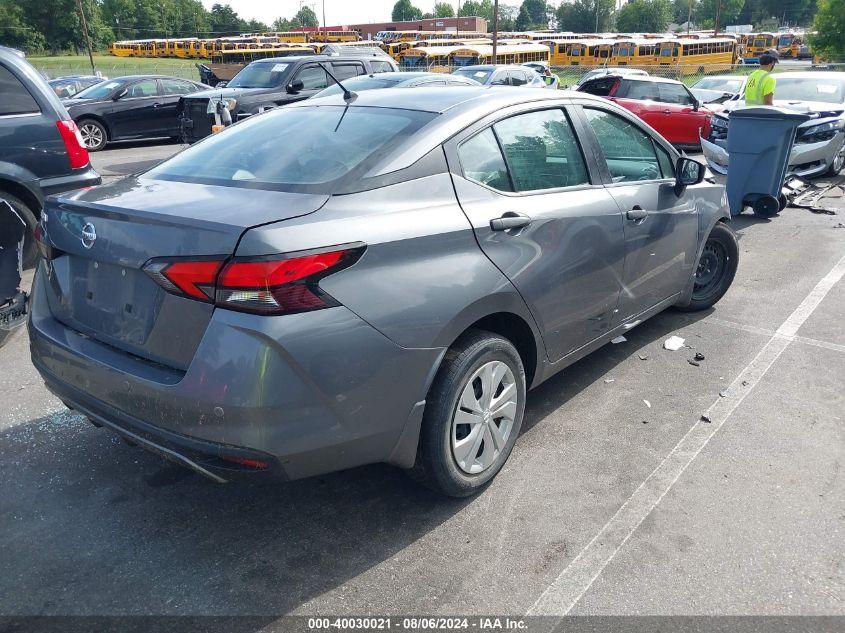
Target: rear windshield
{"points": [[313, 149], [723, 85], [260, 75], [476, 75]]}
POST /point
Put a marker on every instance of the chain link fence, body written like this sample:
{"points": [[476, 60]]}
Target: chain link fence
{"points": [[568, 75]]}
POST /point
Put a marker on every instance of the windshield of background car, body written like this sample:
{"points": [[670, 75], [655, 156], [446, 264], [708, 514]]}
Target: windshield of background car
{"points": [[260, 75], [98, 91], [476, 75], [723, 85], [361, 83], [303, 149], [822, 89]]}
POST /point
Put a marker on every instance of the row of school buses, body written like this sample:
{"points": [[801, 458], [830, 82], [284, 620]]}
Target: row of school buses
{"points": [[697, 52]]}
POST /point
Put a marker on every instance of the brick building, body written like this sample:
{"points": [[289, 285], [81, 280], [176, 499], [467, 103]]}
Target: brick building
{"points": [[468, 24]]}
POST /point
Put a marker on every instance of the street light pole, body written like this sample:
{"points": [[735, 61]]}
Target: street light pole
{"points": [[85, 34]]}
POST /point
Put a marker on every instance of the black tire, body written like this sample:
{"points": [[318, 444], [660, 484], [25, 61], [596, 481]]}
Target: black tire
{"points": [[837, 164], [783, 202], [716, 268], [30, 252], [94, 133], [436, 466]]}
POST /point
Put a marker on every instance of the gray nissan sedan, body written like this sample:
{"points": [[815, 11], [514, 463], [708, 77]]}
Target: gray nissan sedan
{"points": [[333, 284]]}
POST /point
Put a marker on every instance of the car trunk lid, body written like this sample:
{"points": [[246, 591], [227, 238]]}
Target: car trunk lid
{"points": [[100, 240]]}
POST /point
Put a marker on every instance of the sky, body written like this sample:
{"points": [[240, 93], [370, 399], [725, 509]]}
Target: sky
{"points": [[338, 12]]}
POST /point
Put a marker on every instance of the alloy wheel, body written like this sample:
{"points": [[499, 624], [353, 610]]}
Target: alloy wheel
{"points": [[92, 135], [484, 417]]}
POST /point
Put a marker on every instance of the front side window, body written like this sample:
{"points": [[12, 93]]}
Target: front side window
{"points": [[628, 150], [673, 93], [542, 151], [261, 75], [481, 161], [324, 146], [16, 99]]}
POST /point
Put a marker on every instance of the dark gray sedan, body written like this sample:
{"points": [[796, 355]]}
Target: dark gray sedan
{"points": [[334, 284]]}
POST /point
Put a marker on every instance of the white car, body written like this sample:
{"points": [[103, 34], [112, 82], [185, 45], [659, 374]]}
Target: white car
{"points": [[819, 148]]}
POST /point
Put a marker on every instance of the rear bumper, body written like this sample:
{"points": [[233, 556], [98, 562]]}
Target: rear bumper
{"points": [[308, 393], [86, 177]]}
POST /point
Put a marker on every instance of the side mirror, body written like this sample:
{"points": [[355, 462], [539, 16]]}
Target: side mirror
{"points": [[222, 84], [687, 172], [120, 94], [499, 82], [295, 86]]}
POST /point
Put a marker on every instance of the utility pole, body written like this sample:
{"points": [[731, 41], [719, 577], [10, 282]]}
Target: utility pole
{"points": [[495, 27], [718, 14], [85, 34], [457, 21], [597, 17], [324, 15], [689, 16]]}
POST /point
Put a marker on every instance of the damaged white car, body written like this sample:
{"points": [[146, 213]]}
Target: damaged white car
{"points": [[819, 148]]}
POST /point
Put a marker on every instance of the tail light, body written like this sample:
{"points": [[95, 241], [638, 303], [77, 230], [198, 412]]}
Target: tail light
{"points": [[75, 146], [272, 285]]}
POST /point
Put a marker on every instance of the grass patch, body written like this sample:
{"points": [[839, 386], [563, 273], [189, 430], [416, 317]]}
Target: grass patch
{"points": [[111, 66]]}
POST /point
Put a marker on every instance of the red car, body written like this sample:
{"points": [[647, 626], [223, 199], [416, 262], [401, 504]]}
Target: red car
{"points": [[665, 104]]}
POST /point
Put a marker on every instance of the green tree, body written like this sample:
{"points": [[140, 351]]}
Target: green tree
{"points": [[681, 10], [483, 9], [224, 20], [443, 10], [281, 24], [644, 16], [535, 15], [706, 14], [586, 16], [15, 31], [306, 17], [404, 10], [829, 40]]}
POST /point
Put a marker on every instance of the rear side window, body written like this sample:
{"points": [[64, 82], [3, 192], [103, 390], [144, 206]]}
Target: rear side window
{"points": [[482, 161], [629, 151], [323, 147], [345, 71], [172, 87], [541, 151], [642, 90], [381, 67], [14, 97], [601, 87]]}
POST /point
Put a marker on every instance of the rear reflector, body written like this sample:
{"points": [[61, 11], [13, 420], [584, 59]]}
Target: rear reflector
{"points": [[74, 145], [278, 284]]}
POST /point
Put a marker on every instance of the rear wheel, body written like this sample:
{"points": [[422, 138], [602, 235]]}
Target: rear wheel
{"points": [[94, 134], [766, 206], [472, 416], [30, 217], [716, 268]]}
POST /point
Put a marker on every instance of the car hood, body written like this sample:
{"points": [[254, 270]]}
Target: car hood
{"points": [[231, 93], [822, 109]]}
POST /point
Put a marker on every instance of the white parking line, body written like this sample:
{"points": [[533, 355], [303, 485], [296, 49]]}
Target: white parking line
{"points": [[574, 581], [763, 331]]}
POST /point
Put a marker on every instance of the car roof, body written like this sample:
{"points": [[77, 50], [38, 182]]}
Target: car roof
{"points": [[794, 74], [493, 67], [323, 58], [650, 78]]}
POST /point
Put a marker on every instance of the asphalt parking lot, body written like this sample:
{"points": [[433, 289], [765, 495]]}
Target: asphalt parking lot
{"points": [[618, 498]]}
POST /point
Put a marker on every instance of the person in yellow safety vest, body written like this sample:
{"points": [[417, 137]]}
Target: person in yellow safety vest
{"points": [[760, 87]]}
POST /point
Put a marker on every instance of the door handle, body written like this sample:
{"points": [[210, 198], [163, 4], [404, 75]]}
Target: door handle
{"points": [[667, 112], [157, 105], [637, 213], [509, 220]]}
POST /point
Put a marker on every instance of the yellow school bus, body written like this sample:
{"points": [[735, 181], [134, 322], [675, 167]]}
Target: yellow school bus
{"points": [[581, 52], [505, 54], [183, 48], [430, 58], [289, 36], [757, 44], [333, 36], [635, 52], [121, 49], [716, 54], [320, 46]]}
